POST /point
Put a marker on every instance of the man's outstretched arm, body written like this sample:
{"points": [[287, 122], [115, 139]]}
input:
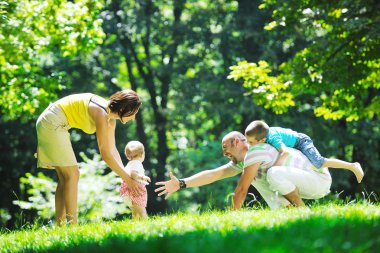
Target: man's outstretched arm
{"points": [[199, 179], [241, 190]]}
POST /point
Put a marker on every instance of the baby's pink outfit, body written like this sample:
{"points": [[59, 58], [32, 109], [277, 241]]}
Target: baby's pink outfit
{"points": [[139, 199]]}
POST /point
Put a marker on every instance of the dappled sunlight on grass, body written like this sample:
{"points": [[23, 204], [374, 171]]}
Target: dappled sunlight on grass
{"points": [[327, 228]]}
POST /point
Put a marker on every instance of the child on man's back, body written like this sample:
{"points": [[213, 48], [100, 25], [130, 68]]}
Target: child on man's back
{"points": [[281, 138]]}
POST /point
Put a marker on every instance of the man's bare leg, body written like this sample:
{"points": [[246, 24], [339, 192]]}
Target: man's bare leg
{"points": [[294, 198]]}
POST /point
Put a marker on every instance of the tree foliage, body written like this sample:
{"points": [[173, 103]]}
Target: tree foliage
{"points": [[340, 63], [265, 89], [33, 37], [173, 53]]}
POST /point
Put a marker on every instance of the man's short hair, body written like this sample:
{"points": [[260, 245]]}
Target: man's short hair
{"points": [[257, 129], [234, 135], [134, 149]]}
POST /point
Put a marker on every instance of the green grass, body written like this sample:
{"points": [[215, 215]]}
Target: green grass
{"points": [[326, 228]]}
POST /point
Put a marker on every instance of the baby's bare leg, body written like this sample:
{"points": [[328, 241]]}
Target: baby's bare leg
{"points": [[138, 212]]}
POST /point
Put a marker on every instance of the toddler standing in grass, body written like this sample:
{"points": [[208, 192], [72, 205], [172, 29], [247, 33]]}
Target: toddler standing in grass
{"points": [[134, 151], [281, 138]]}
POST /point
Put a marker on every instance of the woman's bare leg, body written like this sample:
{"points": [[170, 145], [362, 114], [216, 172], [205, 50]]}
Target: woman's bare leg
{"points": [[70, 189], [60, 208]]}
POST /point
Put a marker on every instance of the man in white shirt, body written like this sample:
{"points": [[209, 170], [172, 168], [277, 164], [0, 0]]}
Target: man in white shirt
{"points": [[279, 184]]}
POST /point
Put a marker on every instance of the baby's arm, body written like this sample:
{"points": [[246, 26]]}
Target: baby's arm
{"points": [[136, 176], [284, 153]]}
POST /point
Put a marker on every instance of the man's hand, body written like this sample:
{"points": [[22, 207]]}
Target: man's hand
{"points": [[241, 190], [168, 187]]}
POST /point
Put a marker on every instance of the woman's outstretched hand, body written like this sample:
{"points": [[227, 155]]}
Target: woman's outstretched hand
{"points": [[168, 187]]}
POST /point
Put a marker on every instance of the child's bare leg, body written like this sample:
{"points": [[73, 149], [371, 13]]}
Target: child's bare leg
{"points": [[294, 198], [138, 212], [339, 164], [60, 208]]}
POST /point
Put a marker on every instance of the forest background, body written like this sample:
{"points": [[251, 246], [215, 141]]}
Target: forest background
{"points": [[203, 68]]}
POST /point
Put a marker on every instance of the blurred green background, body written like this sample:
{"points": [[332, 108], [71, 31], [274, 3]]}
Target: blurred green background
{"points": [[202, 68]]}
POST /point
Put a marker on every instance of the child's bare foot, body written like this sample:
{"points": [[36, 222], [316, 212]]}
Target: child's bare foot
{"points": [[358, 171]]}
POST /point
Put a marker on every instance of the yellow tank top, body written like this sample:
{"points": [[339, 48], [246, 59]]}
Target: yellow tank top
{"points": [[75, 108]]}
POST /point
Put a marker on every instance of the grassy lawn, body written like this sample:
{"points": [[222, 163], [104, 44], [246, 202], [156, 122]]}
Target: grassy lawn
{"points": [[326, 228]]}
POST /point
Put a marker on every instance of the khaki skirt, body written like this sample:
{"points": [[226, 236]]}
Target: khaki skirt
{"points": [[54, 147]]}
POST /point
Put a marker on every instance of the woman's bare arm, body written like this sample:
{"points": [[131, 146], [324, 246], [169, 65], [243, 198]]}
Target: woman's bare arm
{"points": [[105, 133]]}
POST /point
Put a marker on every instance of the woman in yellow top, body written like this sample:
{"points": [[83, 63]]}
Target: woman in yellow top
{"points": [[91, 114]]}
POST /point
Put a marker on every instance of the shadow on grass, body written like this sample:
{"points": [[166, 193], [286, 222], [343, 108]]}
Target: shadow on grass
{"points": [[316, 234]]}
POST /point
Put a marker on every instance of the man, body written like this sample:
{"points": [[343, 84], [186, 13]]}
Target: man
{"points": [[279, 184]]}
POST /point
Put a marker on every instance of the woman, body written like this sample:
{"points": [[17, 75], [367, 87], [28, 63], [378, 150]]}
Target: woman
{"points": [[91, 114]]}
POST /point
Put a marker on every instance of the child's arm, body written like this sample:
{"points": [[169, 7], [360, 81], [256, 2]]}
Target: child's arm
{"points": [[276, 141], [284, 153], [136, 176]]}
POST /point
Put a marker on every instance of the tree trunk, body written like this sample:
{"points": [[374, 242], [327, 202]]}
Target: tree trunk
{"points": [[150, 77]]}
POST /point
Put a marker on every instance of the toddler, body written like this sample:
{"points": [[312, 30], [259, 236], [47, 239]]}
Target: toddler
{"points": [[134, 151], [281, 138]]}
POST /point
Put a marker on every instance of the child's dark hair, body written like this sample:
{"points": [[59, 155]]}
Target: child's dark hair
{"points": [[125, 103], [258, 129]]}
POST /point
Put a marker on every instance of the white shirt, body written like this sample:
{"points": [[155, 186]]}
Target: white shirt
{"points": [[138, 167]]}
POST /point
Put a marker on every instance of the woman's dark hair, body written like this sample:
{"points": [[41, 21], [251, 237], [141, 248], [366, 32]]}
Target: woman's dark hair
{"points": [[125, 103]]}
